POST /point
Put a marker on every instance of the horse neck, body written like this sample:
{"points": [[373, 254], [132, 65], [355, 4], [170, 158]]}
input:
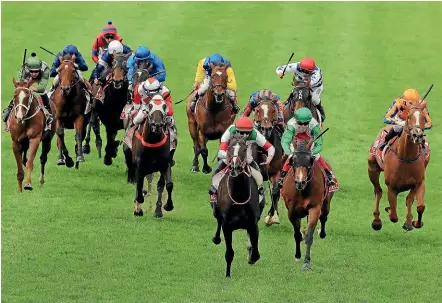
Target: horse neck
{"points": [[239, 187], [405, 148]]}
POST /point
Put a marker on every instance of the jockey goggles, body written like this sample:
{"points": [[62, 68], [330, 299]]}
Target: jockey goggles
{"points": [[109, 37], [304, 71], [303, 123], [243, 133]]}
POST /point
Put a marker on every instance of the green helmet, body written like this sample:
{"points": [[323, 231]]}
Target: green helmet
{"points": [[33, 62], [303, 115]]}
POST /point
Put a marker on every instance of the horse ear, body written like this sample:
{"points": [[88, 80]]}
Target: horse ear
{"points": [[60, 58], [14, 81], [73, 57]]}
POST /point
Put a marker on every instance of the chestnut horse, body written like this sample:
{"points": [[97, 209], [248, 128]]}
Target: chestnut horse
{"points": [[305, 192], [27, 125], [70, 102], [213, 115], [266, 121], [300, 97], [150, 153], [404, 163], [238, 204]]}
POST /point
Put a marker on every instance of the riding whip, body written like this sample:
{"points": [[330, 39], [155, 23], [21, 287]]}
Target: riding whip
{"points": [[48, 51], [428, 91], [283, 72], [178, 102]]}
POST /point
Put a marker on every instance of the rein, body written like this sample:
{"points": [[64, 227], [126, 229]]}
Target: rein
{"points": [[248, 174], [140, 137], [27, 108]]}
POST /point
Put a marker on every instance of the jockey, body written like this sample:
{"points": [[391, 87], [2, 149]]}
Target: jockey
{"points": [[115, 47], [81, 65], [243, 126], [103, 39], [144, 92], [396, 116], [303, 122], [37, 70], [203, 75], [143, 54], [307, 71], [265, 94]]}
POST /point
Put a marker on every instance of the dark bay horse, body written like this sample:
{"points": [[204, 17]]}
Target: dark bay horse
{"points": [[238, 202], [27, 123], [300, 97], [213, 115], [404, 163], [111, 101], [151, 153], [70, 101], [266, 120], [305, 192]]}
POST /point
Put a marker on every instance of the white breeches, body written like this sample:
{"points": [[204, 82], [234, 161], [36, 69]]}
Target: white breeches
{"points": [[256, 174], [316, 94], [397, 128]]}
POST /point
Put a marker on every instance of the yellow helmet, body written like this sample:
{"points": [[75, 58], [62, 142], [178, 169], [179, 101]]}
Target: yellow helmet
{"points": [[411, 95]]}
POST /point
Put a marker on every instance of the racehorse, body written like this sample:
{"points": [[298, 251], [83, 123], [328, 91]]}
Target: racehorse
{"points": [[238, 202], [27, 131], [150, 153], [70, 101], [266, 121], [305, 192], [300, 97], [213, 115], [112, 98], [403, 163]]}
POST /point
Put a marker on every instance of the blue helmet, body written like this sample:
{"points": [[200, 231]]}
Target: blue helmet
{"points": [[142, 53], [70, 49], [217, 59]]}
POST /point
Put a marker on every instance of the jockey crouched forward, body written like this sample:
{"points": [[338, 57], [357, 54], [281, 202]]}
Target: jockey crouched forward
{"points": [[143, 94], [243, 126]]}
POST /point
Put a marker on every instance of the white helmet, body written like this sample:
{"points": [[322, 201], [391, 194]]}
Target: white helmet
{"points": [[115, 47], [150, 87]]}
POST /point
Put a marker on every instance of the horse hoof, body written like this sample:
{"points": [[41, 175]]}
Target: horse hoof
{"points": [[107, 160], [267, 221], [254, 257], [168, 207], [138, 213], [322, 234], [416, 224], [80, 159], [306, 266], [172, 163], [275, 219], [61, 162], [195, 169], [207, 170], [28, 187], [99, 152], [87, 149], [407, 227], [376, 225], [145, 193], [158, 214], [216, 240], [69, 162]]}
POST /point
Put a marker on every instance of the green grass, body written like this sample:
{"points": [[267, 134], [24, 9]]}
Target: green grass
{"points": [[76, 239]]}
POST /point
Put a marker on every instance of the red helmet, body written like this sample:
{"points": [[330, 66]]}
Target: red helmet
{"points": [[308, 64], [244, 124]]}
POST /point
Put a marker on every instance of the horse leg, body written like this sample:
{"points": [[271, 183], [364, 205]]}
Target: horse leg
{"points": [[420, 194], [86, 146], [61, 160], [314, 216], [139, 198], [392, 209], [64, 153], [45, 149], [230, 253], [33, 147], [169, 188], [253, 232], [409, 203], [296, 222], [196, 147], [160, 189], [217, 238], [130, 166], [374, 173], [78, 124], [325, 210], [98, 140], [149, 183], [272, 215], [24, 146], [109, 145], [18, 160], [204, 153]]}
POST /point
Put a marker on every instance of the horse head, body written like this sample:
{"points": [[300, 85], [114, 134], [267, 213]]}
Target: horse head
{"points": [[237, 155], [67, 73], [142, 73], [301, 96], [23, 98], [266, 117], [156, 113], [415, 124], [302, 163], [218, 83], [119, 70]]}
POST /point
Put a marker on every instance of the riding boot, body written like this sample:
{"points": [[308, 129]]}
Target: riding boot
{"points": [[390, 135], [7, 111], [193, 103], [330, 177], [321, 110], [48, 113], [281, 178]]}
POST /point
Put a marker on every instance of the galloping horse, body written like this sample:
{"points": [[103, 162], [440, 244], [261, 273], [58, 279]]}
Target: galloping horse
{"points": [[111, 104], [403, 162], [266, 120], [150, 153], [26, 127], [305, 192], [70, 101], [213, 115], [238, 202], [300, 97]]}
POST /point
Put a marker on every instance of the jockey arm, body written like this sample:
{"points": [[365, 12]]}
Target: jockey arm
{"points": [[316, 78], [224, 145], [391, 112], [82, 65], [261, 141], [158, 66], [287, 137], [43, 83], [165, 93], [95, 49], [248, 110], [200, 72], [291, 68], [315, 132], [131, 68], [55, 65], [101, 65], [126, 49], [428, 121], [231, 81]]}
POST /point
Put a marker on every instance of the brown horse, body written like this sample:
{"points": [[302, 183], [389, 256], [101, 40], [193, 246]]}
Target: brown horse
{"points": [[238, 204], [404, 164], [70, 102], [300, 97], [27, 131], [305, 192], [266, 121], [213, 115]]}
